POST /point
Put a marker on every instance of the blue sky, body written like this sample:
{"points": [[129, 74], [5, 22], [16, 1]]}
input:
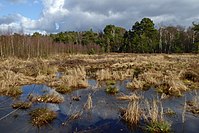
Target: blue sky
{"points": [[51, 16], [29, 9]]}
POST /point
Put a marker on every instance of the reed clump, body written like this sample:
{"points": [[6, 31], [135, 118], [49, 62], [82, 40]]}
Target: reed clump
{"points": [[154, 118], [132, 113], [149, 112]]}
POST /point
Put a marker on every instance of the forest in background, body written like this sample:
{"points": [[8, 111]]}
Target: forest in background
{"points": [[143, 37]]}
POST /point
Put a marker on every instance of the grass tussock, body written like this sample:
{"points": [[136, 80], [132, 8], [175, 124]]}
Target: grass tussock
{"points": [[149, 112], [42, 116], [63, 89], [11, 91], [48, 98], [22, 105], [154, 118], [132, 114], [111, 90]]}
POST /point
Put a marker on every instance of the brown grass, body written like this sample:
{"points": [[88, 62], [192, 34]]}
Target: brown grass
{"points": [[193, 105], [131, 97], [22, 105], [89, 103], [48, 98], [169, 74], [42, 116], [132, 113]]}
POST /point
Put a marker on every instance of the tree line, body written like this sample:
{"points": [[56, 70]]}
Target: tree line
{"points": [[143, 37]]}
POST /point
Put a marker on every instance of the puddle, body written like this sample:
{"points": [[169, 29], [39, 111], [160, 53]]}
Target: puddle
{"points": [[103, 117]]}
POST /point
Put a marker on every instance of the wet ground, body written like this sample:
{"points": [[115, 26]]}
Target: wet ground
{"points": [[103, 117]]}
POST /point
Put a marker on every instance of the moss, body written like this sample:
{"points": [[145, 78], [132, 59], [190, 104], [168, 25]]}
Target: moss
{"points": [[112, 90], [42, 116], [159, 127]]}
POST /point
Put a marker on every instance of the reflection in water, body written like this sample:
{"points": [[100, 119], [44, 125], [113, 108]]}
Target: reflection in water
{"points": [[104, 116]]}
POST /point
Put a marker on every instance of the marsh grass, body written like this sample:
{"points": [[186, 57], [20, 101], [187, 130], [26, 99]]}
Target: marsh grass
{"points": [[131, 97], [132, 114], [149, 112], [42, 116], [172, 75], [110, 82], [21, 105], [73, 116], [159, 127], [112, 74], [48, 98], [193, 105], [111, 89], [169, 112], [75, 78], [89, 103], [63, 89], [136, 84], [11, 91], [154, 118]]}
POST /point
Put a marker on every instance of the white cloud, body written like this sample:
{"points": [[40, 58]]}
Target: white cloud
{"points": [[62, 15]]}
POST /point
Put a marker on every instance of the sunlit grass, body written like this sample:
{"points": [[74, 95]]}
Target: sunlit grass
{"points": [[42, 116]]}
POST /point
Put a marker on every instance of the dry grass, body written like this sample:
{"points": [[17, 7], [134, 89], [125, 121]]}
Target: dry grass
{"points": [[63, 89], [131, 97], [110, 74], [22, 105], [150, 112], [48, 98], [153, 113], [193, 105], [154, 118], [42, 116], [89, 103], [171, 74], [132, 113], [136, 84], [10, 91]]}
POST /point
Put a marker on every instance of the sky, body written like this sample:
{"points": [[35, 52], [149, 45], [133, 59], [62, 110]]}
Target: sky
{"points": [[52, 16]]}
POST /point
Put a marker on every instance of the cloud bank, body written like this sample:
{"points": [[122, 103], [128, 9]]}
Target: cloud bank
{"points": [[78, 15]]}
